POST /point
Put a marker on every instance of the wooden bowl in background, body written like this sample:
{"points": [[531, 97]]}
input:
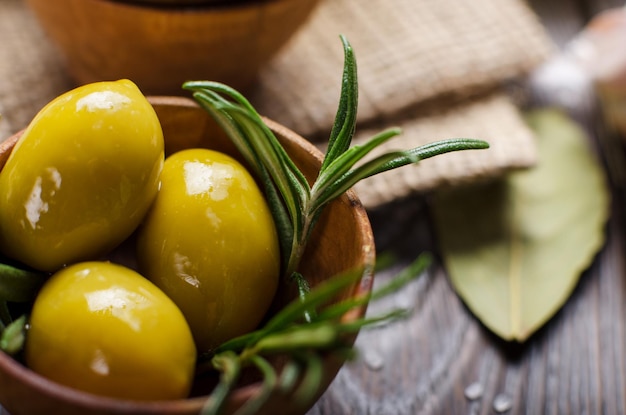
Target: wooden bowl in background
{"points": [[342, 240], [160, 47]]}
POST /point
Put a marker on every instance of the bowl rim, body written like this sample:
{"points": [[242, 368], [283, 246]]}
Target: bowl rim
{"points": [[215, 6], [13, 368]]}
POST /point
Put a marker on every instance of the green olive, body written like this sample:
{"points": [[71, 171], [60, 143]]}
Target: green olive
{"points": [[209, 242], [81, 177], [103, 328]]}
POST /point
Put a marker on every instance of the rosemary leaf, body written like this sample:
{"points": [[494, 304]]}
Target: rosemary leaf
{"points": [[352, 177], [446, 146], [282, 221], [270, 380], [273, 159], [19, 285], [411, 272], [13, 336], [319, 336], [228, 364], [434, 149], [238, 343], [303, 290], [258, 147], [355, 326], [293, 312], [5, 315], [249, 110], [294, 195], [209, 101], [345, 119], [322, 293], [310, 384], [289, 376], [344, 162]]}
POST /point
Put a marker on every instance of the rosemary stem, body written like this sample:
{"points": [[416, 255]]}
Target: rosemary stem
{"points": [[299, 245]]}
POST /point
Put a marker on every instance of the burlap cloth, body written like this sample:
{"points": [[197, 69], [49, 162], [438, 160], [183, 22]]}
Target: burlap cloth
{"points": [[432, 67]]}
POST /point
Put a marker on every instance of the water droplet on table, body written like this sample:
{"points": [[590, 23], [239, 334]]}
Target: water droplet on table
{"points": [[502, 403], [373, 360], [474, 391]]}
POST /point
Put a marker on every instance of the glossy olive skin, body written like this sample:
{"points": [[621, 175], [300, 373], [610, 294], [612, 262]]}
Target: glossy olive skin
{"points": [[81, 177], [209, 242], [104, 329]]}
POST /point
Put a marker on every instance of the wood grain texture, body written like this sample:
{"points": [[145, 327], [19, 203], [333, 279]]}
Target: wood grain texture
{"points": [[576, 364]]}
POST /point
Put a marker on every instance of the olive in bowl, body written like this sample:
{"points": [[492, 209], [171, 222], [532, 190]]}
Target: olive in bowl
{"points": [[342, 240]]}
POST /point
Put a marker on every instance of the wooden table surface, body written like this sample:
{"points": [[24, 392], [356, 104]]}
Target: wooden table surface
{"points": [[576, 364]]}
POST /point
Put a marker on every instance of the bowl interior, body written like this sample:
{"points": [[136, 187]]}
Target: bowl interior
{"points": [[342, 240]]}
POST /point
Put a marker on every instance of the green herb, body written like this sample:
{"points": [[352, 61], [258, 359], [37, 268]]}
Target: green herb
{"points": [[13, 336], [304, 331], [304, 344], [517, 248], [296, 206], [17, 285]]}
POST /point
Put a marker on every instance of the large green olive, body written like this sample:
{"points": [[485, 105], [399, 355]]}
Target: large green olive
{"points": [[209, 242], [103, 328], [81, 177]]}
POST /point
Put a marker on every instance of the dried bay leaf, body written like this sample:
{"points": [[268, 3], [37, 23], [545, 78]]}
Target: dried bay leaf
{"points": [[515, 248]]}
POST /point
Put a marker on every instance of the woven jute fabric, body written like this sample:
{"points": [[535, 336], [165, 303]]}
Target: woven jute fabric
{"points": [[31, 71], [408, 51], [428, 66], [492, 117]]}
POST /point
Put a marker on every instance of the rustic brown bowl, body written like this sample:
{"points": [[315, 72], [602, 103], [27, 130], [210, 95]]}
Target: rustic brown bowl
{"points": [[160, 47], [341, 241]]}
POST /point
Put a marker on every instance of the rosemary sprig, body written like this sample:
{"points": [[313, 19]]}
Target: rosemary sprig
{"points": [[296, 206], [303, 330], [304, 344]]}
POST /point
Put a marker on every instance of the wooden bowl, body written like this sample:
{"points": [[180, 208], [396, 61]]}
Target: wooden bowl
{"points": [[182, 2], [160, 47], [341, 241]]}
